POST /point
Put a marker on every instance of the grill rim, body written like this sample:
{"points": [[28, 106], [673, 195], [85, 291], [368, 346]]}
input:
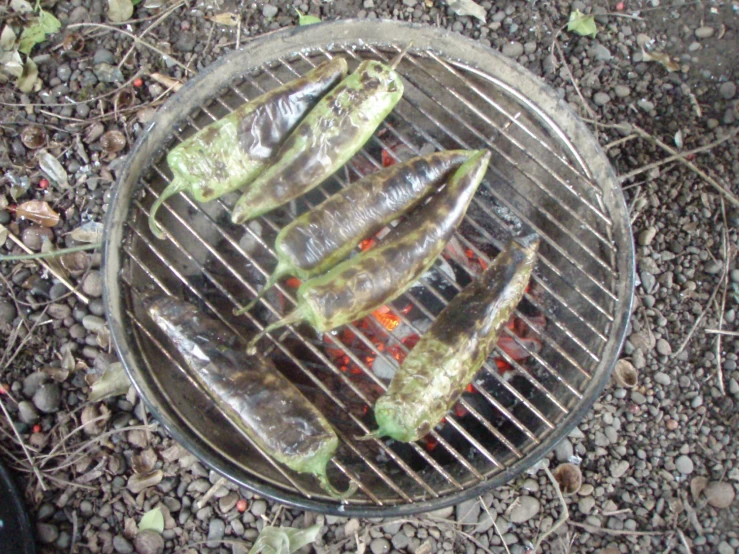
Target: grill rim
{"points": [[349, 33]]}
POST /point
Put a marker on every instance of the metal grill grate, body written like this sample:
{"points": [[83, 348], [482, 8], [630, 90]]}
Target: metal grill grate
{"points": [[538, 181]]}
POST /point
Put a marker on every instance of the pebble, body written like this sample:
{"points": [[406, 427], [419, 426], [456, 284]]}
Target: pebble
{"points": [[27, 412], [647, 236], [713, 268], [93, 323], [64, 72], [59, 311], [269, 11], [186, 41], [648, 281], [662, 378], [725, 548], [531, 485], [7, 311], [103, 56], [380, 546], [663, 347], [121, 545], [46, 532], [704, 32], [645, 105], [468, 511], [149, 542], [226, 503], [410, 3], [638, 398], [512, 49], [400, 541], [93, 284], [259, 507], [526, 508], [684, 465], [586, 504], [601, 98], [108, 73], [619, 468], [600, 53], [34, 235], [216, 530], [564, 451], [48, 398], [727, 90], [719, 494]]}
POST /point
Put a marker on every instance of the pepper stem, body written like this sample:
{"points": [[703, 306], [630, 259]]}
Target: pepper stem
{"points": [[293, 317], [329, 488], [369, 436], [277, 274], [396, 60], [176, 186]]}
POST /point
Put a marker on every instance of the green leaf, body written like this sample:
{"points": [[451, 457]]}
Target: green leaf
{"points": [[30, 73], [307, 19], [153, 520], [120, 10], [114, 382], [35, 33], [284, 540], [583, 25]]}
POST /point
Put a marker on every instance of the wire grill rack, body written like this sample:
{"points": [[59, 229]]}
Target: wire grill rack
{"points": [[546, 175]]}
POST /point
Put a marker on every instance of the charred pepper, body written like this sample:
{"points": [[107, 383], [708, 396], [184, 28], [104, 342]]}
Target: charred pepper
{"points": [[323, 236], [446, 359], [229, 153], [251, 392], [325, 140], [360, 285]]}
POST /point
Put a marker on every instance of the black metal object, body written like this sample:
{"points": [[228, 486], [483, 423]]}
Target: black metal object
{"points": [[16, 536], [548, 175]]}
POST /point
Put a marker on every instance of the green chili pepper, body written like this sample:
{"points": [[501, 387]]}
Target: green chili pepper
{"points": [[229, 153], [320, 238], [448, 356], [325, 140], [360, 285], [250, 391]]}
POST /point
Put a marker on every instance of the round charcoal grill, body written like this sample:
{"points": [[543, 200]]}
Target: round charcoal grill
{"points": [[547, 175]]}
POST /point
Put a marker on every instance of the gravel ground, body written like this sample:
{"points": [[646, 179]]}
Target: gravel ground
{"points": [[659, 460]]}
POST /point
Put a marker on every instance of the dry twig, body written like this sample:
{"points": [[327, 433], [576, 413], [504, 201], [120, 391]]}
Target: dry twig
{"points": [[563, 518], [35, 470]]}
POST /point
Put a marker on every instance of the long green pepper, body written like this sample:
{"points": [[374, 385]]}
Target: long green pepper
{"points": [[448, 356], [325, 140], [320, 238], [249, 390], [229, 153], [360, 285]]}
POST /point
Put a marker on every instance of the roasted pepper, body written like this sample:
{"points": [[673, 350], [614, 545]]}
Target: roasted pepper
{"points": [[446, 359], [249, 390], [320, 238], [229, 153], [325, 140], [360, 285]]}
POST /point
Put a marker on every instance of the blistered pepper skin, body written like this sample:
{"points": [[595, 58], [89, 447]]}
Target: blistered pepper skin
{"points": [[253, 394], [320, 238], [358, 286], [231, 152], [449, 355], [325, 140]]}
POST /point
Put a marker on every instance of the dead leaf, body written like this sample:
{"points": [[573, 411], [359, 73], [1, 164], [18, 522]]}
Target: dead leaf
{"points": [[662, 58], [94, 132], [113, 382], [225, 18], [57, 373], [467, 7], [7, 39], [75, 263], [67, 359], [89, 232], [103, 338], [113, 142], [52, 168], [94, 417], [28, 78], [120, 10], [3, 235], [168, 82], [144, 462], [39, 212]]}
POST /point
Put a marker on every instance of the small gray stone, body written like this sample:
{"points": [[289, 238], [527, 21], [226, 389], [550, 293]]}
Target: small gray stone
{"points": [[32, 383], [93, 323], [586, 504], [725, 548], [121, 545], [380, 546], [96, 307], [7, 311], [103, 56], [639, 359], [27, 412], [368, 4], [512, 49], [619, 468], [697, 402], [47, 398], [601, 98], [563, 451], [663, 347], [468, 511], [216, 530], [684, 465], [648, 281], [645, 105], [108, 73], [185, 42], [719, 494], [149, 542], [526, 508], [93, 284], [647, 236], [662, 378], [704, 32], [258, 507], [410, 3], [59, 311], [648, 301], [600, 53], [712, 268], [46, 532], [33, 236], [638, 398], [269, 11], [622, 91], [227, 503], [727, 90], [400, 541], [733, 386]]}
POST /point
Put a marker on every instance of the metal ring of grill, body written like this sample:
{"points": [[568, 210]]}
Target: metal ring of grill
{"points": [[547, 175]]}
